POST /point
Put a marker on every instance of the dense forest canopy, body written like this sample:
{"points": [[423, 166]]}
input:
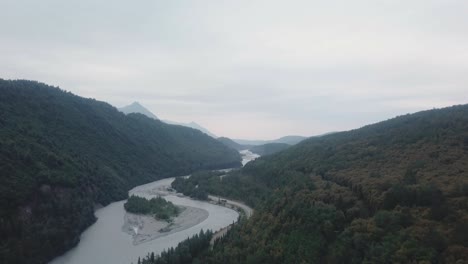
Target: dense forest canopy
{"points": [[262, 149], [232, 144], [269, 148], [156, 206], [61, 154], [199, 184], [186, 251], [392, 192]]}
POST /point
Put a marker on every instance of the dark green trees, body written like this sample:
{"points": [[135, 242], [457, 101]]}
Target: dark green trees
{"points": [[186, 252], [199, 184], [392, 192], [158, 207], [60, 154]]}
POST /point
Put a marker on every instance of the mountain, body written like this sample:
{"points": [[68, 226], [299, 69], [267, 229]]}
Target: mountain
{"points": [[262, 150], [202, 129], [232, 144], [62, 154], [391, 192], [290, 140], [269, 148], [192, 125], [137, 108]]}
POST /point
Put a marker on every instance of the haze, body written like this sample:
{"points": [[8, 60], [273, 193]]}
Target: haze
{"points": [[246, 69]]}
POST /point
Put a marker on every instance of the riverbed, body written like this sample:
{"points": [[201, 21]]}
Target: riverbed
{"points": [[248, 156], [110, 240]]}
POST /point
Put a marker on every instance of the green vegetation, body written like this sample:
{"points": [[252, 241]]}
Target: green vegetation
{"points": [[61, 154], [158, 207], [198, 184], [232, 144], [186, 252], [392, 192], [262, 150], [268, 149]]}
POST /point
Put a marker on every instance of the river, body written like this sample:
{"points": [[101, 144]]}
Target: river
{"points": [[104, 242]]}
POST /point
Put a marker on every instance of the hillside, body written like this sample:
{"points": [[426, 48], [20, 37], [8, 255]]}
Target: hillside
{"points": [[138, 108], [192, 125], [268, 149], [262, 150], [61, 154], [232, 144], [290, 140], [392, 192]]}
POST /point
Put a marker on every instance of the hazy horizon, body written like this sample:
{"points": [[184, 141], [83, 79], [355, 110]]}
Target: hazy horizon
{"points": [[246, 69]]}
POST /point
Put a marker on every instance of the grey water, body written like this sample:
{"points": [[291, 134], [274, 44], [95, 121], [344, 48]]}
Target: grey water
{"points": [[105, 242]]}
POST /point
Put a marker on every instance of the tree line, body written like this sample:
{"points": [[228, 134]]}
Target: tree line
{"points": [[156, 206], [61, 154], [392, 192]]}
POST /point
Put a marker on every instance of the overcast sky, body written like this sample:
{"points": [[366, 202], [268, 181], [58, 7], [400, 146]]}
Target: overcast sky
{"points": [[246, 69]]}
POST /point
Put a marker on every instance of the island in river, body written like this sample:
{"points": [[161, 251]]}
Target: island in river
{"points": [[105, 243], [144, 228], [157, 207]]}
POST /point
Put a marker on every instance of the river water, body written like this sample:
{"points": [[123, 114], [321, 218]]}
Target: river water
{"points": [[248, 156], [105, 243]]}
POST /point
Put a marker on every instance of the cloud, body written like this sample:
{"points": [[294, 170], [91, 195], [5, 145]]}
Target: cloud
{"points": [[253, 69]]}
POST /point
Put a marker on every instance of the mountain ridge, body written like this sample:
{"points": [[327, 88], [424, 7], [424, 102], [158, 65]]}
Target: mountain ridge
{"points": [[290, 140], [62, 154], [193, 125], [390, 192], [136, 107]]}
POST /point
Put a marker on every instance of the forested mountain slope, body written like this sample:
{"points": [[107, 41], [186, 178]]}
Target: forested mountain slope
{"points": [[392, 192], [262, 150], [61, 154], [290, 140], [232, 144], [269, 148]]}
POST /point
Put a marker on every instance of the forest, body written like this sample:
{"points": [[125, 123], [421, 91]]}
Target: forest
{"points": [[391, 192], [186, 251], [62, 155], [262, 150], [232, 144], [199, 184], [156, 206], [269, 148]]}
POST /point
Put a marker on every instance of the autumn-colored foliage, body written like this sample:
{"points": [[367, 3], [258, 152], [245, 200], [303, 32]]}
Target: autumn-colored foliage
{"points": [[392, 192]]}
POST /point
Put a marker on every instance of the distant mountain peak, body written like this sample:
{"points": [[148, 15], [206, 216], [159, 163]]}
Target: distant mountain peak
{"points": [[136, 107], [136, 104]]}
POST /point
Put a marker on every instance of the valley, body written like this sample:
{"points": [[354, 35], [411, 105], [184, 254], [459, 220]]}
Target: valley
{"points": [[120, 237]]}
